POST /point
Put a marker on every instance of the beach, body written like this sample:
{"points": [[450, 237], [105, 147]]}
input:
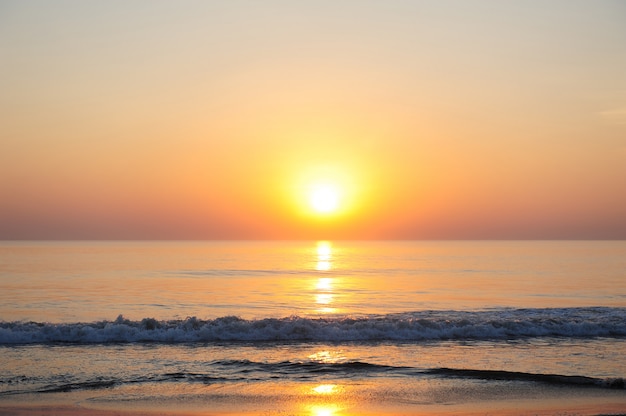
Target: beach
{"points": [[354, 400], [313, 208]]}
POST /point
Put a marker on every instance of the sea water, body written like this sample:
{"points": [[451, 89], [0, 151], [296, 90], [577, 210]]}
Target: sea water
{"points": [[254, 323]]}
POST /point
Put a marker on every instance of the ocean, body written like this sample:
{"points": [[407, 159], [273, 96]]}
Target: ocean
{"points": [[315, 328]]}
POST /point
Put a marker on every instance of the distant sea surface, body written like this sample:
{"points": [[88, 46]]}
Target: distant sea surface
{"points": [[137, 321]]}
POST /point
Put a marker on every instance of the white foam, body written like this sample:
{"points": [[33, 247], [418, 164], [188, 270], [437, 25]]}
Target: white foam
{"points": [[414, 326]]}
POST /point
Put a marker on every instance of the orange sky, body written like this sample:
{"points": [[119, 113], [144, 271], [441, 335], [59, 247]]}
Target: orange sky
{"points": [[210, 120]]}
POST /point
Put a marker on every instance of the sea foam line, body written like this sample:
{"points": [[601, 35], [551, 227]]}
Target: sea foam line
{"points": [[414, 326]]}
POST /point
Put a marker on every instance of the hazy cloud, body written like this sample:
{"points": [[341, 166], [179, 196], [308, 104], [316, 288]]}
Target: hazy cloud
{"points": [[614, 116]]}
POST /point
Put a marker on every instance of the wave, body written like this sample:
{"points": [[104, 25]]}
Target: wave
{"points": [[612, 383], [246, 371], [413, 326]]}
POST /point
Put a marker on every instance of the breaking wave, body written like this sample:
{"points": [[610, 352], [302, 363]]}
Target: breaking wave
{"points": [[413, 326]]}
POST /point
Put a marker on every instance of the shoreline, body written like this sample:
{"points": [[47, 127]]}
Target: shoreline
{"points": [[547, 410], [572, 402]]}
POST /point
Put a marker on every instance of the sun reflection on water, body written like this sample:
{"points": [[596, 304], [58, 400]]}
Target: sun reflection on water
{"points": [[325, 283], [324, 250], [328, 357], [324, 295], [324, 410], [324, 253], [323, 298], [325, 388], [322, 266], [325, 400]]}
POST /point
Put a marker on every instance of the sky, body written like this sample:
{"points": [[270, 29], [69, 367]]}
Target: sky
{"points": [[218, 119]]}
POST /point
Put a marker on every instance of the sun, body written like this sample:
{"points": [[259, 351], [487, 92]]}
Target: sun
{"points": [[324, 198], [325, 194]]}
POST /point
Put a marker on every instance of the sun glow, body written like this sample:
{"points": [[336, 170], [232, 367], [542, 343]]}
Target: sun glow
{"points": [[328, 194], [324, 198]]}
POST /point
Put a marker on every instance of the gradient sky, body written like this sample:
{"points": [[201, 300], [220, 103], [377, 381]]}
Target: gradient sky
{"points": [[206, 119]]}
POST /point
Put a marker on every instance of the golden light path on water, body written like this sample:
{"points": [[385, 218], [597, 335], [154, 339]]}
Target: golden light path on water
{"points": [[324, 287], [324, 410], [326, 396], [326, 402]]}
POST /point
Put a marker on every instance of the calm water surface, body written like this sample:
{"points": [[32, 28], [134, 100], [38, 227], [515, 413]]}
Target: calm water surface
{"points": [[85, 281]]}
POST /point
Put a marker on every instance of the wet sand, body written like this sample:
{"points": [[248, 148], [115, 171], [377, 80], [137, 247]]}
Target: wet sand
{"points": [[502, 409], [553, 402]]}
